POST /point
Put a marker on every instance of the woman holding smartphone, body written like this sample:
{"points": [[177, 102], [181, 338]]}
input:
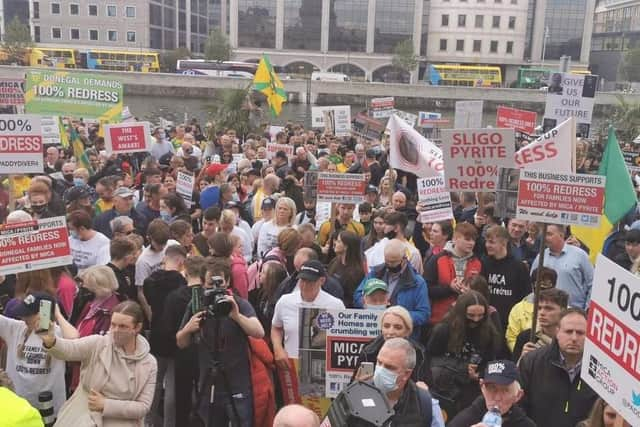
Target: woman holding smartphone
{"points": [[117, 375]]}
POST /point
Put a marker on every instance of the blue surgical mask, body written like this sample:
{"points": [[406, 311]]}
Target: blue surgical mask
{"points": [[165, 216], [377, 307], [78, 182], [384, 379]]}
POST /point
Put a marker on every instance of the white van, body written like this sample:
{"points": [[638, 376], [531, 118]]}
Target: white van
{"points": [[329, 77]]}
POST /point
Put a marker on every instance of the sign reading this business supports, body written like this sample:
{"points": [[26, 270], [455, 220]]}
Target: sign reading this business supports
{"points": [[127, 137], [341, 187], [86, 95], [570, 95], [520, 120], [611, 358], [34, 245], [335, 120], [472, 157], [434, 201], [21, 148], [560, 198]]}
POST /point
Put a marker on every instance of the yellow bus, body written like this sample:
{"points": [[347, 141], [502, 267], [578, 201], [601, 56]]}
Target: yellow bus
{"points": [[114, 60], [55, 57], [465, 75]]}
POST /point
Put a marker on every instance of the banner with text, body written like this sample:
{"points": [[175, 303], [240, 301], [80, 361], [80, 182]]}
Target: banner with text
{"points": [[34, 245], [50, 130], [21, 147], [127, 138], [412, 152], [570, 95], [520, 120], [428, 120], [434, 201], [367, 127], [273, 148], [410, 118], [560, 198], [335, 120], [184, 187], [381, 108], [472, 157], [87, 95], [11, 92], [610, 362], [341, 187], [468, 115], [553, 151]]}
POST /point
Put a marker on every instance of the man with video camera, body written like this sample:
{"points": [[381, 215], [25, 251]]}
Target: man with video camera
{"points": [[219, 328]]}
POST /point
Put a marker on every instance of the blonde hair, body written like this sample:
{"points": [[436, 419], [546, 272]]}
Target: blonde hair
{"points": [[402, 313], [289, 203], [100, 279], [82, 172], [228, 217]]}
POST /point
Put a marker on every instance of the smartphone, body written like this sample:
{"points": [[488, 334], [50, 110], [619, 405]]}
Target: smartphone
{"points": [[366, 369], [45, 315]]}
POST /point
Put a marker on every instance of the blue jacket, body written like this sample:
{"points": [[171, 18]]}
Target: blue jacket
{"points": [[410, 293], [102, 222]]}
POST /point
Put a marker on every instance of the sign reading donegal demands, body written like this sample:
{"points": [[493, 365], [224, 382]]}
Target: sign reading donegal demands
{"points": [[73, 94]]}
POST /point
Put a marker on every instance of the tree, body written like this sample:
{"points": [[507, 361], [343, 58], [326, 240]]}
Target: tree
{"points": [[217, 47], [626, 119], [630, 67], [404, 56], [17, 39], [235, 110], [169, 59]]}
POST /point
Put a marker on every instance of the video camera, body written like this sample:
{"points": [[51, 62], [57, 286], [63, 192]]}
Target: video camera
{"points": [[214, 300]]}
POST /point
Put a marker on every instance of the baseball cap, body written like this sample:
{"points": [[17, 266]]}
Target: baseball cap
{"points": [[371, 189], [268, 203], [373, 285], [312, 270], [30, 304], [123, 192], [232, 204], [215, 168], [632, 236], [76, 193], [503, 372]]}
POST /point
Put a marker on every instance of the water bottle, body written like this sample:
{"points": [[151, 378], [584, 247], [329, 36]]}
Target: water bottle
{"points": [[493, 418]]}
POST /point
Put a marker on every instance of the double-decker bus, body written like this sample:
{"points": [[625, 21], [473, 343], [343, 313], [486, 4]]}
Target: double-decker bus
{"points": [[55, 57], [535, 77], [115, 60], [464, 75]]}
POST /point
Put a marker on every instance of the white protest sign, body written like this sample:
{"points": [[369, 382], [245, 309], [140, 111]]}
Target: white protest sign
{"points": [[21, 147], [410, 118], [274, 130], [131, 137], [184, 187], [341, 187], [336, 119], [570, 95], [468, 114], [434, 201], [611, 358], [323, 213], [472, 157], [381, 108], [273, 148], [50, 130], [553, 151], [412, 152]]}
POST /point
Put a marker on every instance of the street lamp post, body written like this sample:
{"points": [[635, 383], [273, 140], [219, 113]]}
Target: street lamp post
{"points": [[544, 44]]}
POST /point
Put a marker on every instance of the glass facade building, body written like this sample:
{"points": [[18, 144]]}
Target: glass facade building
{"points": [[565, 20], [394, 24], [302, 24], [257, 23], [348, 25]]}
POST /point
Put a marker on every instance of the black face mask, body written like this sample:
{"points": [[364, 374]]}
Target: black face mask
{"points": [[38, 208], [395, 269], [390, 234], [68, 177]]}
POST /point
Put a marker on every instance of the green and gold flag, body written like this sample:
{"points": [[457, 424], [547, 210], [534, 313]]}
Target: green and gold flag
{"points": [[267, 82]]}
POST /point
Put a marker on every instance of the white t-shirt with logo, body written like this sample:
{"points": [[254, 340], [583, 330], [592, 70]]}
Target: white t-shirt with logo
{"points": [[30, 371], [87, 253], [286, 315]]}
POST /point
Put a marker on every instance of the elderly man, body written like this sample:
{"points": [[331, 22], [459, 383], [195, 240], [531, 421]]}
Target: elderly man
{"points": [[190, 152], [517, 244], [296, 416], [52, 165], [500, 389], [122, 206]]}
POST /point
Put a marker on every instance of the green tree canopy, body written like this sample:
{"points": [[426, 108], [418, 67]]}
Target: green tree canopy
{"points": [[17, 39], [169, 59], [404, 56], [217, 47]]}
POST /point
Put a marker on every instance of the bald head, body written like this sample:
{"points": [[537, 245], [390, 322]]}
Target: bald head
{"points": [[296, 416], [395, 249]]}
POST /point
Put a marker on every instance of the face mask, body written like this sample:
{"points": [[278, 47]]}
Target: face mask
{"points": [[86, 294], [165, 216], [375, 307], [78, 182], [68, 177], [390, 234], [395, 268], [38, 208], [120, 338], [384, 379]]}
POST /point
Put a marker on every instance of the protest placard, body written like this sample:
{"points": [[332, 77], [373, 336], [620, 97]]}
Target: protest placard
{"points": [[335, 120], [21, 148], [273, 148], [184, 187], [427, 119], [434, 201], [610, 361], [127, 138], [347, 332], [367, 127], [520, 120], [409, 118], [472, 157], [31, 245], [553, 151], [468, 115], [381, 108], [86, 95], [310, 184], [570, 95], [560, 198], [274, 131], [507, 192], [341, 187], [50, 126], [412, 152], [11, 92]]}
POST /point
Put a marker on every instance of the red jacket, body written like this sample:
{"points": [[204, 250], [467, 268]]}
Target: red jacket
{"points": [[262, 366], [439, 273]]}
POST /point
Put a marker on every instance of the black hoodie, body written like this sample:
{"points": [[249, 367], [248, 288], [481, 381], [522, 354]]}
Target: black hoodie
{"points": [[156, 287], [474, 413]]}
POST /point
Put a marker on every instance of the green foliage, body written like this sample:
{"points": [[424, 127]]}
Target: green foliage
{"points": [[217, 47], [17, 40], [626, 119], [404, 56], [630, 67], [233, 111], [169, 59]]}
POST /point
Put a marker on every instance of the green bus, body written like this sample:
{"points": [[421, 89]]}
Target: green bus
{"points": [[535, 78]]}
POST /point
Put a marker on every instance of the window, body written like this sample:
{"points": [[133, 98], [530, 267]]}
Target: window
{"points": [[131, 36], [479, 21], [36, 10], [112, 36], [93, 10], [459, 45], [493, 48], [477, 45], [74, 9], [130, 11], [445, 20], [36, 33], [93, 35], [462, 20], [56, 33], [443, 44], [495, 22], [55, 8], [512, 22], [509, 47], [112, 11], [74, 33]]}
